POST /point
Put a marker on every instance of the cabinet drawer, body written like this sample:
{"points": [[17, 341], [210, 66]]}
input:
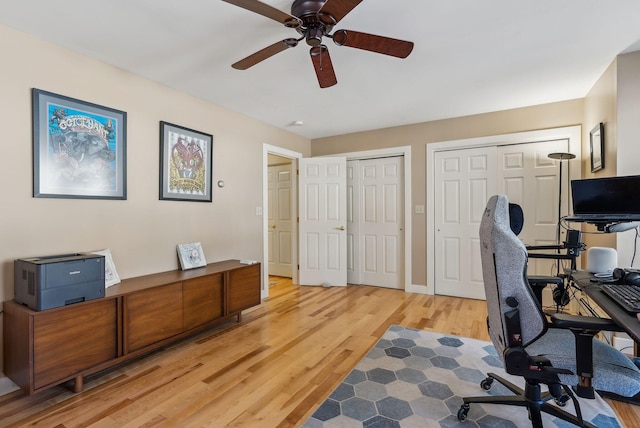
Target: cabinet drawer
{"points": [[202, 300], [152, 315], [243, 288], [69, 340]]}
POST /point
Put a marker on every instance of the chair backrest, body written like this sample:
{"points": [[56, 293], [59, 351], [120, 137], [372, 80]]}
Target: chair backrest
{"points": [[504, 267]]}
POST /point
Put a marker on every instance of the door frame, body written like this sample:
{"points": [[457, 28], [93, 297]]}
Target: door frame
{"points": [[572, 133], [294, 156], [405, 152]]}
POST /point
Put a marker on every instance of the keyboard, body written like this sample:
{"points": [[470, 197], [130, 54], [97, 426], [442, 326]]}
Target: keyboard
{"points": [[627, 296]]}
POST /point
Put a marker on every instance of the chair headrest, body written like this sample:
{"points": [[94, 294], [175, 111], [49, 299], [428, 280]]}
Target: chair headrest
{"points": [[516, 218]]}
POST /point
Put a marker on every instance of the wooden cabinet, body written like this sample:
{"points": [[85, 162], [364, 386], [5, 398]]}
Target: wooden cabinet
{"points": [[46, 348], [66, 342], [152, 315], [202, 300], [243, 288]]}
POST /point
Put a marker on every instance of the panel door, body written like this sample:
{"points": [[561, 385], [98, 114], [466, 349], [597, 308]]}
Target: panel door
{"points": [[381, 221], [152, 315], [323, 216], [202, 300], [73, 338], [464, 181], [280, 220], [354, 270], [243, 289], [530, 178]]}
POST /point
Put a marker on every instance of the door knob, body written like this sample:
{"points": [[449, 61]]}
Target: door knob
{"points": [[273, 226], [340, 228]]}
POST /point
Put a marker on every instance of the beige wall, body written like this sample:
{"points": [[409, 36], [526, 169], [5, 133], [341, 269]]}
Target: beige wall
{"points": [[419, 135], [142, 231], [628, 138], [600, 105], [615, 101]]}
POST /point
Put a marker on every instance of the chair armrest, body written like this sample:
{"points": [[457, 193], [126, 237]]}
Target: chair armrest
{"points": [[568, 321], [584, 329]]}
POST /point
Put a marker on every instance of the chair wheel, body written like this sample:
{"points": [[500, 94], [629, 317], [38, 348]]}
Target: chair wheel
{"points": [[462, 413], [486, 383], [562, 401]]}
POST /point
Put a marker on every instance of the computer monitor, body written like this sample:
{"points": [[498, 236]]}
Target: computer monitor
{"points": [[607, 199]]}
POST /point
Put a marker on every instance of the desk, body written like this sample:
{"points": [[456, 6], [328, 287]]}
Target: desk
{"points": [[629, 322]]}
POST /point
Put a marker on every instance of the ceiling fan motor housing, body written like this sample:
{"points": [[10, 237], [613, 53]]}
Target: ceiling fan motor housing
{"points": [[314, 25]]}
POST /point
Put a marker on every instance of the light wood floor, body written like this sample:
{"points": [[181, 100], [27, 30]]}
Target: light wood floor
{"points": [[270, 370]]}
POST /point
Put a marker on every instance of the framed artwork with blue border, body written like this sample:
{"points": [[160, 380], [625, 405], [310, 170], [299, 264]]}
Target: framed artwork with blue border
{"points": [[79, 149], [186, 164]]}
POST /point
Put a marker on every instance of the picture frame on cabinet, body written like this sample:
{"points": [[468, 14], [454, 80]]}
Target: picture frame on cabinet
{"points": [[186, 164], [79, 148], [596, 137], [111, 276], [191, 256]]}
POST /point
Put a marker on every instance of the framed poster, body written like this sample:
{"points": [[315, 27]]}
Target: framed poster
{"points": [[597, 147], [186, 163], [79, 149]]}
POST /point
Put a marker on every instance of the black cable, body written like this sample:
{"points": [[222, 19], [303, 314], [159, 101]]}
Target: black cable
{"points": [[635, 246]]}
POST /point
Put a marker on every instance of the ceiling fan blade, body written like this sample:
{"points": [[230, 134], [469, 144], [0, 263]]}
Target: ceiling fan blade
{"points": [[268, 11], [336, 8], [322, 64], [265, 53], [373, 43]]}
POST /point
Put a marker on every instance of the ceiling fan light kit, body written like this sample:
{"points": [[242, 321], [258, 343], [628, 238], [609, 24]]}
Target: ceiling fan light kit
{"points": [[313, 20]]}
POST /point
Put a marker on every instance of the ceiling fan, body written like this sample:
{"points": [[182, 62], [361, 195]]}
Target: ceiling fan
{"points": [[315, 19]]}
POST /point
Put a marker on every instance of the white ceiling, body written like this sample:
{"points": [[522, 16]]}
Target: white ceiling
{"points": [[470, 56]]}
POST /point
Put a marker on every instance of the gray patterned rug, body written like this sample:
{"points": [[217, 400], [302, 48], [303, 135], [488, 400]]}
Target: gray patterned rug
{"points": [[415, 378]]}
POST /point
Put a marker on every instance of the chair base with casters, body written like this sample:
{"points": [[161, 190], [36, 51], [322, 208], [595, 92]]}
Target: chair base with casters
{"points": [[570, 340], [530, 397]]}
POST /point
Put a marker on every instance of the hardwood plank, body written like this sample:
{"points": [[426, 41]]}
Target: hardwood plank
{"points": [[270, 370]]}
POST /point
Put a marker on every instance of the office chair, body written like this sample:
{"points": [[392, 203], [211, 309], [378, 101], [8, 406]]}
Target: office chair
{"points": [[561, 355]]}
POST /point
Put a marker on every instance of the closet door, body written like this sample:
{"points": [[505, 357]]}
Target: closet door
{"points": [[464, 181], [381, 221], [530, 179], [354, 271]]}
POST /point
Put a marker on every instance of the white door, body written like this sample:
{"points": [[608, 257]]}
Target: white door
{"points": [[323, 216], [354, 272], [280, 220], [381, 221], [529, 178], [464, 181]]}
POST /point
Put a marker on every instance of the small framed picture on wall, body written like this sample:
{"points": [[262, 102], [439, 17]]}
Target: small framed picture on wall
{"points": [[597, 147], [186, 164]]}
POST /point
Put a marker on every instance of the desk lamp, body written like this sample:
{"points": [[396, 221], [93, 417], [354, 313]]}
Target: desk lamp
{"points": [[560, 156], [560, 295]]}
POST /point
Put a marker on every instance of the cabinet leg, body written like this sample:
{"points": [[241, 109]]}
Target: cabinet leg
{"points": [[77, 384], [239, 316]]}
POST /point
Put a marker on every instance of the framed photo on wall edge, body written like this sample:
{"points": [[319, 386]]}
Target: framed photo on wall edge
{"points": [[597, 147]]}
